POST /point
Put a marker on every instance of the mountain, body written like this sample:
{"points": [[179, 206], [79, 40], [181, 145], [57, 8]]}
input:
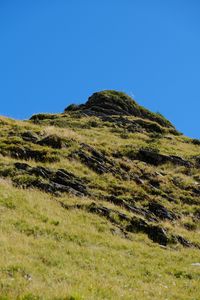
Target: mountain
{"points": [[101, 201]]}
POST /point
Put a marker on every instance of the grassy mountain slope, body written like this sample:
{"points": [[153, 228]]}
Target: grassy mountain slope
{"points": [[100, 202]]}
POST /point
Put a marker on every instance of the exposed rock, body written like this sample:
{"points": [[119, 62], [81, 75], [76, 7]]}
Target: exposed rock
{"points": [[53, 141], [155, 158], [55, 181], [25, 153], [195, 189], [95, 163], [53, 187], [197, 161], [108, 103], [30, 136], [197, 213], [22, 166], [195, 142], [155, 233], [61, 181], [160, 211], [155, 182], [144, 125], [158, 235], [183, 241], [41, 172], [68, 179], [131, 207], [138, 205], [135, 224], [136, 125], [98, 162], [108, 213]]}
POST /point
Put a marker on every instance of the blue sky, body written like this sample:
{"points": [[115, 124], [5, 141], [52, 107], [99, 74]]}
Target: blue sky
{"points": [[57, 52]]}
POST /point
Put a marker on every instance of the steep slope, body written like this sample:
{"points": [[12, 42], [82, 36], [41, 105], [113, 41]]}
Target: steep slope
{"points": [[107, 185]]}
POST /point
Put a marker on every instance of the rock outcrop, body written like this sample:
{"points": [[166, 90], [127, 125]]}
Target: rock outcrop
{"points": [[109, 102], [114, 148], [51, 181], [156, 158]]}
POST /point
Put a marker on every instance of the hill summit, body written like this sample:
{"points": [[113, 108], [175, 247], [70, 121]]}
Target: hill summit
{"points": [[101, 201], [111, 102]]}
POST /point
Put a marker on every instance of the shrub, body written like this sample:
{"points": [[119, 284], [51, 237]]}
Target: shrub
{"points": [[196, 141]]}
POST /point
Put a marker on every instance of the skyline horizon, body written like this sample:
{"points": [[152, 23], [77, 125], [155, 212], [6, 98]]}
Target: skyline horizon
{"points": [[83, 102], [56, 53]]}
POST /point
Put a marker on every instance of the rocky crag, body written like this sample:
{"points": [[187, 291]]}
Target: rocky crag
{"points": [[111, 150]]}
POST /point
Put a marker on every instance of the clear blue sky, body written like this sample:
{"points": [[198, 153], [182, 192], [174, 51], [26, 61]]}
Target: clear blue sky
{"points": [[57, 52]]}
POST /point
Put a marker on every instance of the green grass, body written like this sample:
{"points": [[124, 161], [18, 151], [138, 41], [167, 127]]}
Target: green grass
{"points": [[48, 252]]}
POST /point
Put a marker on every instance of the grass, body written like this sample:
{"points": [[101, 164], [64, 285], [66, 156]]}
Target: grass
{"points": [[48, 252]]}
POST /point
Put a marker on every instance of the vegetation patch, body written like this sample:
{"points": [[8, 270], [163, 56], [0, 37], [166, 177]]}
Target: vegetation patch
{"points": [[99, 202]]}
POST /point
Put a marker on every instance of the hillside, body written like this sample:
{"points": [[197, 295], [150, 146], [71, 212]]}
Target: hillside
{"points": [[101, 201]]}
